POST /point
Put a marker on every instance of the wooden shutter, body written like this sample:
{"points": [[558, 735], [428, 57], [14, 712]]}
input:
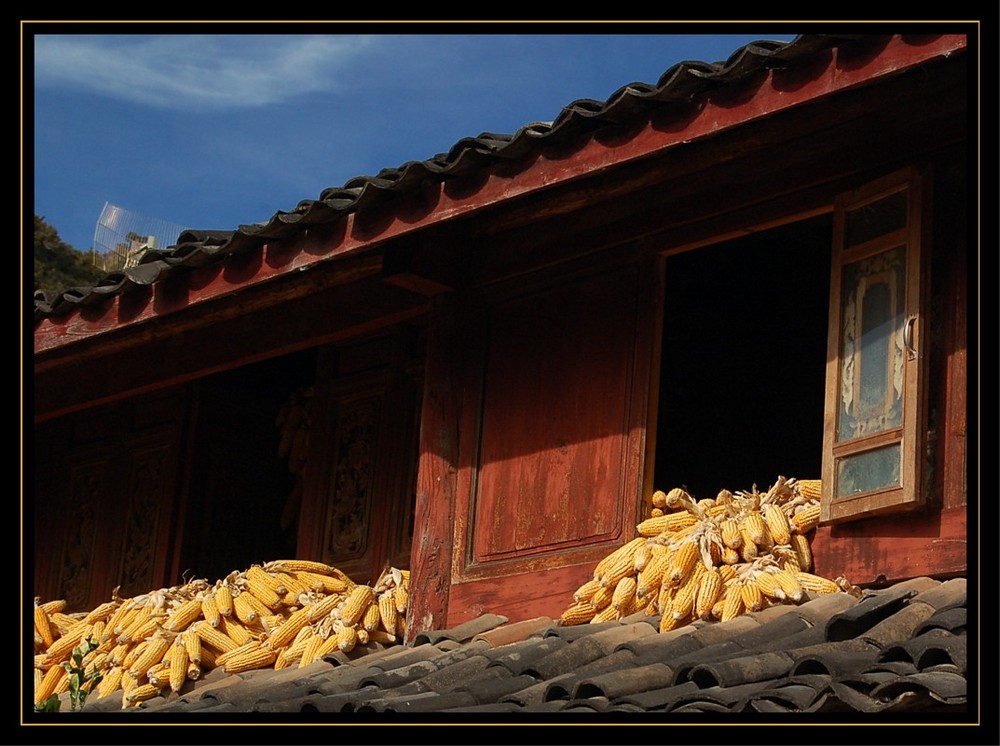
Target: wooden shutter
{"points": [[874, 456]]}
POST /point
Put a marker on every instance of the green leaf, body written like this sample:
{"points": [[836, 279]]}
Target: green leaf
{"points": [[49, 705]]}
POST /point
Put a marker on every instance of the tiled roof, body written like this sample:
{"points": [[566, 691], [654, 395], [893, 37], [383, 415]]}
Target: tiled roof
{"points": [[902, 649], [673, 95]]}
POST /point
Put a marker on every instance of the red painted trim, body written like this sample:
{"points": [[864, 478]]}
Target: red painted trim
{"points": [[779, 91]]}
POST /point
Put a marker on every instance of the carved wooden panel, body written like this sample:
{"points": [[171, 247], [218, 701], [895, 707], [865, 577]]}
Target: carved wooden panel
{"points": [[355, 454], [88, 482]]}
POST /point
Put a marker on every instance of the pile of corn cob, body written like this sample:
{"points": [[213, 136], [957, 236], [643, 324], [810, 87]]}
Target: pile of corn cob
{"points": [[279, 614], [710, 559]]}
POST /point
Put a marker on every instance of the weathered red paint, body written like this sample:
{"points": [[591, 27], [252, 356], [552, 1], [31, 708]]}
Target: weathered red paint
{"points": [[893, 548], [450, 200]]}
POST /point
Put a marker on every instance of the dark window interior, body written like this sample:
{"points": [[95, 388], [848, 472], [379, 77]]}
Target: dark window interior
{"points": [[744, 360], [238, 482]]}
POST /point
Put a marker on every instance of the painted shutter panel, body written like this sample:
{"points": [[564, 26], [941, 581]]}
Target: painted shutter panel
{"points": [[874, 457]]}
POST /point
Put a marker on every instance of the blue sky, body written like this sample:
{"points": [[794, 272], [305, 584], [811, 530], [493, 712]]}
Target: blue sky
{"points": [[219, 130]]}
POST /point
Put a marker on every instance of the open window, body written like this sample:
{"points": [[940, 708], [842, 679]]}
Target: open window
{"points": [[800, 350], [874, 434]]}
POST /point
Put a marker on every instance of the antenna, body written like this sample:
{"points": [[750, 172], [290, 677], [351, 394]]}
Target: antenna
{"points": [[122, 236]]}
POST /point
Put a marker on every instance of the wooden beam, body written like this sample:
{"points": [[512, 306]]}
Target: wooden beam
{"points": [[893, 548]]}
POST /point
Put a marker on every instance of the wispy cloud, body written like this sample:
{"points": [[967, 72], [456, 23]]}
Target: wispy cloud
{"points": [[197, 72]]}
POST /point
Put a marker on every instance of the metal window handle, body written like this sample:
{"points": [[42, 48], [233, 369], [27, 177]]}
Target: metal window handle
{"points": [[911, 351]]}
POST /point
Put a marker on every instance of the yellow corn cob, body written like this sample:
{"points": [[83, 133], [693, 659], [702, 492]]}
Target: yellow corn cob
{"points": [[223, 658], [608, 614], [193, 672], [732, 603], [261, 586], [789, 585], [715, 510], [224, 600], [293, 588], [182, 617], [807, 518], [357, 603], [730, 556], [811, 488], [789, 561], [152, 654], [656, 512], [61, 648], [324, 606], [716, 611], [400, 596], [362, 636], [140, 693], [151, 627], [803, 551], [769, 586], [709, 591], [649, 580], [213, 637], [159, 673], [293, 566], [777, 524], [753, 599], [659, 499], [724, 497], [387, 612], [283, 635], [210, 610], [234, 629], [102, 613], [370, 619], [641, 557], [668, 621], [628, 549], [756, 529], [178, 663], [117, 654], [347, 638], [586, 591], [664, 597], [125, 617], [331, 644], [602, 599], [624, 592], [677, 497], [309, 652], [208, 656], [262, 610], [748, 551], [192, 645], [654, 526], [323, 583], [134, 651], [816, 583], [50, 681], [53, 607], [243, 608], [44, 626], [731, 536], [682, 602], [114, 620], [111, 682], [684, 560], [39, 674]]}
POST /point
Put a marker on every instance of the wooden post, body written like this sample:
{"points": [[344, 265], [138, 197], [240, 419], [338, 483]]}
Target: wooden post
{"points": [[431, 553]]}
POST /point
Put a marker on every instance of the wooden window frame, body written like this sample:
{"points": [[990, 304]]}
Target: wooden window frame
{"points": [[911, 435]]}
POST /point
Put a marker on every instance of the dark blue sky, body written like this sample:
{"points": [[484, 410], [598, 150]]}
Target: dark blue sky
{"points": [[215, 131]]}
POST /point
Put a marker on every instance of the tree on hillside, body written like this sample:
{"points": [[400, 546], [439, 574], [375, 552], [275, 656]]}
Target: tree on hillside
{"points": [[58, 265]]}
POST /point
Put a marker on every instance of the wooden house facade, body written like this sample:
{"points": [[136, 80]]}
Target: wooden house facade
{"points": [[746, 270]]}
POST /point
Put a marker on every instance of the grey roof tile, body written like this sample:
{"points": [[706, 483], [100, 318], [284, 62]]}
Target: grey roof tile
{"points": [[746, 669], [463, 632], [625, 681], [521, 656]]}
